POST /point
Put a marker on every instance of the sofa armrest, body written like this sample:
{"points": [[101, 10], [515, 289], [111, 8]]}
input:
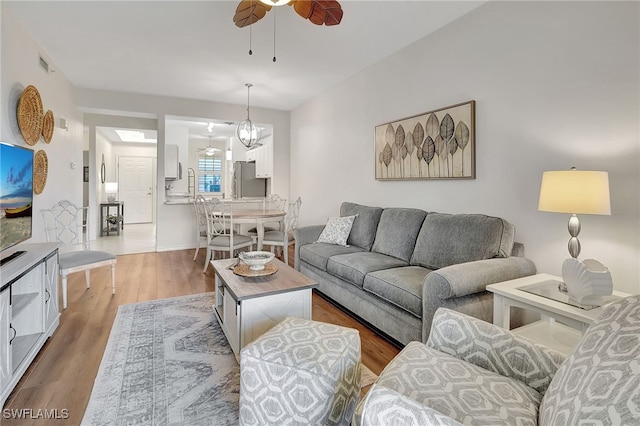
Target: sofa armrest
{"points": [[463, 287], [307, 234], [494, 348], [382, 406], [473, 277], [303, 236]]}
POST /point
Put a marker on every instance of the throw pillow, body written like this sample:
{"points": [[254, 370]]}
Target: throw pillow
{"points": [[337, 230]]}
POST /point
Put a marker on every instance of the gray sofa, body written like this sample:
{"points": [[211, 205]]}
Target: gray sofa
{"points": [[401, 264]]}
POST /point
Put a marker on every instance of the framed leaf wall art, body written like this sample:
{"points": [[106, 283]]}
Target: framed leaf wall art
{"points": [[439, 144]]}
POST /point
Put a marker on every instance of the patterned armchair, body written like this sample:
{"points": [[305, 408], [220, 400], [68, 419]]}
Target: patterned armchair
{"points": [[474, 373]]}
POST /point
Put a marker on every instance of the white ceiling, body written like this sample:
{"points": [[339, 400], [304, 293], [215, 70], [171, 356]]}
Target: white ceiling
{"points": [[192, 49]]}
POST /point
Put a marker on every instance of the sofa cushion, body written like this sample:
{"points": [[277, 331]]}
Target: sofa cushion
{"points": [[353, 267], [600, 381], [337, 230], [363, 231], [460, 390], [400, 286], [317, 254], [447, 239], [397, 232]]}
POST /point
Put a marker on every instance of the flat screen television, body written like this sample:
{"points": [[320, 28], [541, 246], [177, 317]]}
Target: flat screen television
{"points": [[16, 196]]}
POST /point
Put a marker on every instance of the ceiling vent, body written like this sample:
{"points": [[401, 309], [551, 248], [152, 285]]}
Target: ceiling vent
{"points": [[44, 64]]}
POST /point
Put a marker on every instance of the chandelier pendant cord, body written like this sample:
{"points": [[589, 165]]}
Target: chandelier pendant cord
{"points": [[248, 100], [274, 34]]}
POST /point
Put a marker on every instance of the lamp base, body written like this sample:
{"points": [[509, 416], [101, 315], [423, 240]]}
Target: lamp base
{"points": [[574, 230]]}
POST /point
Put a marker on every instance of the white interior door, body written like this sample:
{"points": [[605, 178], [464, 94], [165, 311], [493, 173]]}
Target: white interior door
{"points": [[135, 185]]}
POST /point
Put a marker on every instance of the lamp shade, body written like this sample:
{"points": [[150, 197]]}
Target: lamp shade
{"points": [[111, 187], [575, 192]]}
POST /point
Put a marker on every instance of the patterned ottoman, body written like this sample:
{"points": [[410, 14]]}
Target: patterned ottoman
{"points": [[300, 372]]}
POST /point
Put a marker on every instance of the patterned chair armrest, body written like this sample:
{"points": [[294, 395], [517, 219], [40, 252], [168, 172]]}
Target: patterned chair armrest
{"points": [[384, 406], [494, 349]]}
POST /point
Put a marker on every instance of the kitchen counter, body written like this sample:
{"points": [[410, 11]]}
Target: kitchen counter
{"points": [[178, 201]]}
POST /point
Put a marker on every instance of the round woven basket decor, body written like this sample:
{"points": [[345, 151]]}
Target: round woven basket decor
{"points": [[30, 115], [40, 171], [47, 126]]}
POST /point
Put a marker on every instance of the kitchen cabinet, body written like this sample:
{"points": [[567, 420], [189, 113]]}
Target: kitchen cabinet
{"points": [[251, 155], [264, 161], [172, 169], [29, 310]]}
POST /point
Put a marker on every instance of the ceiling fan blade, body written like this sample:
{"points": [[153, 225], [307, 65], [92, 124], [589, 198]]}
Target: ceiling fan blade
{"points": [[319, 12], [249, 12]]}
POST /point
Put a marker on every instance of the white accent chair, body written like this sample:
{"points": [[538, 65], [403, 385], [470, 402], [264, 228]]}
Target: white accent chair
{"points": [[201, 222], [68, 225], [285, 238], [220, 235]]}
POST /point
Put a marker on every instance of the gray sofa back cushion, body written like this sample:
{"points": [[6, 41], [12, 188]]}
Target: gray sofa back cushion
{"points": [[448, 239], [363, 231], [397, 231], [599, 382]]}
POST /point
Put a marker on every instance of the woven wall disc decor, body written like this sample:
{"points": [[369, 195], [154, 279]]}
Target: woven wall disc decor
{"points": [[40, 171], [47, 126], [30, 115]]}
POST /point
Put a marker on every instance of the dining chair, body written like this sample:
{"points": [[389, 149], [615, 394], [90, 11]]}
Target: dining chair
{"points": [[285, 238], [68, 224], [272, 202], [220, 234], [201, 222]]}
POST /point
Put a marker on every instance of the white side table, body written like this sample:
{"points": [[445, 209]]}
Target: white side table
{"points": [[561, 325]]}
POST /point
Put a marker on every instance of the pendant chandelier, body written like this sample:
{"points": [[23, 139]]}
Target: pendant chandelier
{"points": [[248, 133]]}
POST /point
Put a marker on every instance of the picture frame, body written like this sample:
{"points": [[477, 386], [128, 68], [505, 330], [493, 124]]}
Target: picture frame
{"points": [[85, 173], [435, 145]]}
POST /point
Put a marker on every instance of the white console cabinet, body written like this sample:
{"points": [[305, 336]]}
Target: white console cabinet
{"points": [[29, 310]]}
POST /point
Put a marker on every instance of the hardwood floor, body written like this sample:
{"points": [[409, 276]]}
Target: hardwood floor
{"points": [[61, 377]]}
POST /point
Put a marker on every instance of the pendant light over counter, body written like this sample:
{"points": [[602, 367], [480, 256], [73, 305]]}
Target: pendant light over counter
{"points": [[248, 133]]}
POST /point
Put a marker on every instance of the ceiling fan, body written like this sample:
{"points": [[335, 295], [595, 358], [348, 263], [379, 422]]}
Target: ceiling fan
{"points": [[209, 150], [319, 12]]}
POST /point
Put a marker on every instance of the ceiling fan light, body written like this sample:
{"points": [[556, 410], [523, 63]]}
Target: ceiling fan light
{"points": [[275, 2]]}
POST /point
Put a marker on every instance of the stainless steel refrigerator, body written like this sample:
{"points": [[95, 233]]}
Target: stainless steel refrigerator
{"points": [[245, 183]]}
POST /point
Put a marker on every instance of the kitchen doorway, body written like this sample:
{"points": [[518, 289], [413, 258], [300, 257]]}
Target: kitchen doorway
{"points": [[129, 148]]}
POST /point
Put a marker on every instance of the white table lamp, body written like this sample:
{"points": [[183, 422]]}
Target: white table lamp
{"points": [[111, 189], [575, 192]]}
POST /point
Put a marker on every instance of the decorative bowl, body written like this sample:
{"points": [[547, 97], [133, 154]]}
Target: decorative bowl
{"points": [[256, 259]]}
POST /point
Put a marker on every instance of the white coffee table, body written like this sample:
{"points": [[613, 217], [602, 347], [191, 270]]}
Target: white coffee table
{"points": [[561, 325], [246, 307]]}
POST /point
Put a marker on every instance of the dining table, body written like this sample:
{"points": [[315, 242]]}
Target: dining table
{"points": [[259, 216]]}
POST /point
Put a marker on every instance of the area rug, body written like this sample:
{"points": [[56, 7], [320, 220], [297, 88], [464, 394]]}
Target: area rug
{"points": [[167, 362]]}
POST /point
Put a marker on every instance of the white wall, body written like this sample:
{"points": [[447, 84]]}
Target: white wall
{"points": [[20, 68], [556, 85]]}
